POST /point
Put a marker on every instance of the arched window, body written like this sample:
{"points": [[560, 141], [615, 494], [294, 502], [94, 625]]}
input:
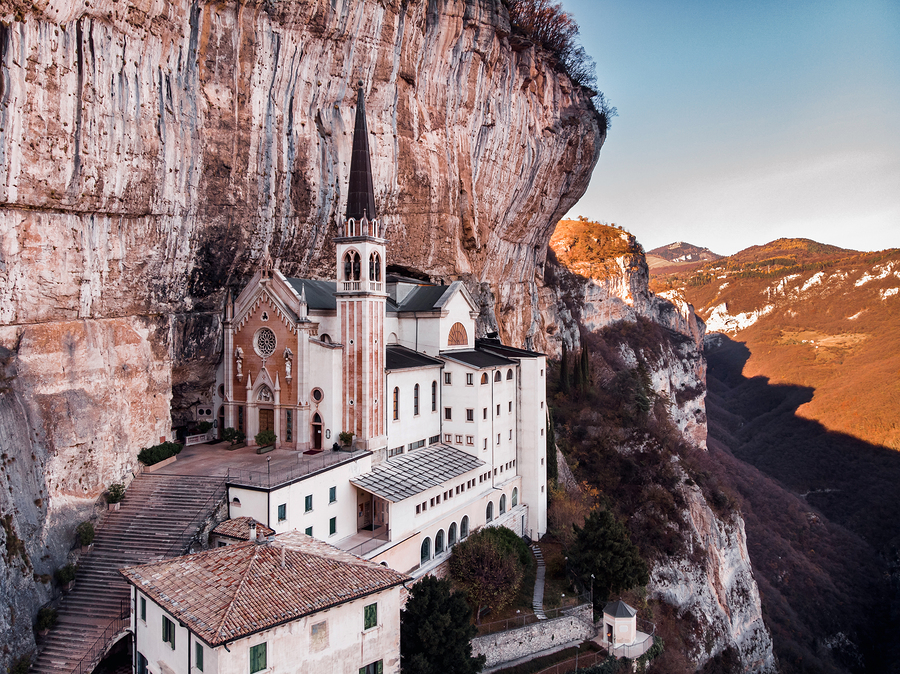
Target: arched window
{"points": [[489, 512], [265, 395], [515, 497], [509, 374], [458, 335], [374, 267], [426, 551], [484, 378], [351, 266], [503, 504], [451, 535], [434, 396], [416, 400], [396, 403], [497, 376], [439, 542], [464, 527]]}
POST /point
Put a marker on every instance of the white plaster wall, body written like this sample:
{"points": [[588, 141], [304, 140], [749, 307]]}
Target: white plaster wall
{"points": [[532, 441], [457, 310], [325, 373], [148, 640], [420, 332], [411, 427]]}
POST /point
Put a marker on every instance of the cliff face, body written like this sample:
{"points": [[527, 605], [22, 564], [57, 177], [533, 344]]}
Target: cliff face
{"points": [[709, 583], [150, 151]]}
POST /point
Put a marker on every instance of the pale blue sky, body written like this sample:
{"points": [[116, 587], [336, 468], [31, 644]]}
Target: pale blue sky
{"points": [[742, 122]]}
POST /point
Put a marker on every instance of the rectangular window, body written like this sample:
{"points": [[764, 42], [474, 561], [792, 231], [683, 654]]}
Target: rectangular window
{"points": [[447, 378], [141, 664], [498, 438], [448, 437], [510, 406], [308, 502], [437, 499], [289, 428], [395, 451], [458, 439], [332, 526], [370, 616], [168, 632], [457, 489], [424, 506], [470, 439], [332, 494], [143, 609], [374, 668], [485, 444], [498, 410], [432, 501], [257, 658], [282, 512], [417, 444], [448, 413], [470, 379], [418, 509], [308, 531], [510, 434], [484, 413], [198, 655], [433, 439], [470, 415]]}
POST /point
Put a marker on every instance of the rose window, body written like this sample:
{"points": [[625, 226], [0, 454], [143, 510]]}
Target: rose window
{"points": [[265, 342]]}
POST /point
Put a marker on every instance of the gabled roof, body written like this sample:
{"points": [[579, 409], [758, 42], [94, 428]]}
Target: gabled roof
{"points": [[319, 294], [423, 298], [398, 357], [477, 358], [619, 609], [239, 529], [232, 592], [406, 475], [495, 346]]}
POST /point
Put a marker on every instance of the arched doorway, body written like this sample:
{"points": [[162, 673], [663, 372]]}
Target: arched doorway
{"points": [[317, 431]]}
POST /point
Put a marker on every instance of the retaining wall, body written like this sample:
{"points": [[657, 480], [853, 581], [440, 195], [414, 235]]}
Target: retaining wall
{"points": [[575, 625]]}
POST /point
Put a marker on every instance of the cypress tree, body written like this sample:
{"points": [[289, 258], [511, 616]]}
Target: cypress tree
{"points": [[585, 369]]}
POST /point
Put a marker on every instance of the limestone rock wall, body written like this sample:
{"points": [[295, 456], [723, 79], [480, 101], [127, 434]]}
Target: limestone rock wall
{"points": [[150, 151]]}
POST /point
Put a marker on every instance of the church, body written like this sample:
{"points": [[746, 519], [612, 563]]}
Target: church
{"points": [[448, 431]]}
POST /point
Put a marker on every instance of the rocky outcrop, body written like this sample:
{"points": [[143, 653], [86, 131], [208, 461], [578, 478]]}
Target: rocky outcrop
{"points": [[150, 151]]}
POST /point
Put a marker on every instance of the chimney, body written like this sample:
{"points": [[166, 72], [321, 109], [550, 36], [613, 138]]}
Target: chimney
{"points": [[252, 536]]}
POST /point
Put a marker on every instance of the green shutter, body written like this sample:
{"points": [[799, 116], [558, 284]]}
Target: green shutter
{"points": [[198, 655], [257, 658], [332, 526], [370, 616], [143, 609], [308, 531]]}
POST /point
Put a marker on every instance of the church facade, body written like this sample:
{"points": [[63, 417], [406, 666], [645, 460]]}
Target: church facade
{"points": [[448, 431]]}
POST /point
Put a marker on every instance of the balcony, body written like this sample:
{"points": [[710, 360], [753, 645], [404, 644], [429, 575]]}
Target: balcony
{"points": [[273, 477]]}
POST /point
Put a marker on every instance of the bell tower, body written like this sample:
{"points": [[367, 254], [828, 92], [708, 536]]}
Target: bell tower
{"points": [[361, 297]]}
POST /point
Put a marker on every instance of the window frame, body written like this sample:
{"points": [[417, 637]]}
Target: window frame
{"points": [[332, 494], [370, 616], [282, 512], [308, 503], [198, 655], [434, 396], [332, 526], [168, 631], [416, 400], [448, 414], [255, 652], [396, 413]]}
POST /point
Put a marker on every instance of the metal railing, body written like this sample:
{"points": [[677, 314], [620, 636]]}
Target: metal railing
{"points": [[304, 466], [577, 663], [101, 644], [373, 543], [528, 619], [179, 547]]}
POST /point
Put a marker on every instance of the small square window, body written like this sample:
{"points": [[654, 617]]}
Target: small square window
{"points": [[370, 616], [332, 494], [308, 531], [257, 658], [448, 413], [308, 502], [332, 526], [282, 512], [447, 378]]}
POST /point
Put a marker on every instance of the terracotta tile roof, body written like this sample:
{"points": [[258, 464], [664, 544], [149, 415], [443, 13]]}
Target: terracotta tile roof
{"points": [[239, 529], [231, 592]]}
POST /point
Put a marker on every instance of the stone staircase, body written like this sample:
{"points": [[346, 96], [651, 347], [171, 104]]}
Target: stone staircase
{"points": [[538, 600], [158, 518]]}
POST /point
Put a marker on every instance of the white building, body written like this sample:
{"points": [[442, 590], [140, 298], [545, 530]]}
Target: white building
{"points": [[287, 605], [448, 430]]}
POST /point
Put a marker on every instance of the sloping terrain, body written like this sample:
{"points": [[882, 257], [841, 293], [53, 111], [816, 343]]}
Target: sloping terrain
{"points": [[679, 257]]}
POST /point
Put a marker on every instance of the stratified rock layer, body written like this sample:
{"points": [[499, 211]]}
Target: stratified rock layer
{"points": [[150, 151]]}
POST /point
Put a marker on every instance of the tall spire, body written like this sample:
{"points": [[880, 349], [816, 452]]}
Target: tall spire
{"points": [[361, 193]]}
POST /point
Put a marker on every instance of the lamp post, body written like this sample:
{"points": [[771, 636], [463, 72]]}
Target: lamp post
{"points": [[269, 470]]}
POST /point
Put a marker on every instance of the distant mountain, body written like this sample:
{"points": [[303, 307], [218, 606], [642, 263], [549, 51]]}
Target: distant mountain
{"points": [[678, 256], [812, 315]]}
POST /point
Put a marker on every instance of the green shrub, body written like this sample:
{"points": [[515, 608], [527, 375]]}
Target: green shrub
{"points": [[65, 574], [115, 492], [233, 436], [46, 618], [346, 437], [21, 665], [84, 532], [204, 426], [265, 438], [151, 455]]}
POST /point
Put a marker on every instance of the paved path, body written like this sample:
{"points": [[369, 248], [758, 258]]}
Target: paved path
{"points": [[538, 600], [158, 518]]}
